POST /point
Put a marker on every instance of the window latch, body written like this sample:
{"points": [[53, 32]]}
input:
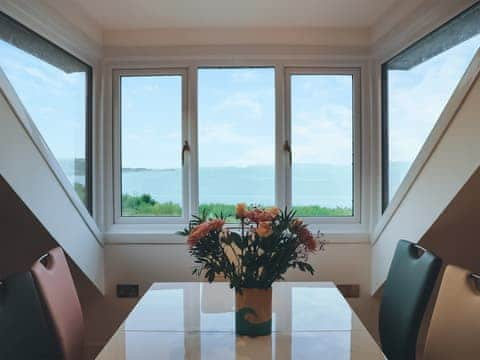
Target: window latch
{"points": [[288, 149], [185, 147]]}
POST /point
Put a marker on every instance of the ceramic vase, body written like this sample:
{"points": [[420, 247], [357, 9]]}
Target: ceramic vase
{"points": [[253, 312]]}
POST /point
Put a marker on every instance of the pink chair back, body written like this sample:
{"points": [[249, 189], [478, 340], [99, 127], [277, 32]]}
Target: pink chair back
{"points": [[55, 285]]}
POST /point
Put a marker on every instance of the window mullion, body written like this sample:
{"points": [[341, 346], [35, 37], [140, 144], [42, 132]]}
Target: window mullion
{"points": [[185, 149], [286, 137], [193, 139]]}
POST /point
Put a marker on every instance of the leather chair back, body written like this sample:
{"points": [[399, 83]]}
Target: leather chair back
{"points": [[55, 285], [455, 325], [409, 284]]}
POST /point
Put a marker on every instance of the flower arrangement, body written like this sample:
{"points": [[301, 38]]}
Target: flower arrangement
{"points": [[266, 243]]}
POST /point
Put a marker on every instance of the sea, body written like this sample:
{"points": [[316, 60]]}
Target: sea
{"points": [[313, 184], [325, 185]]}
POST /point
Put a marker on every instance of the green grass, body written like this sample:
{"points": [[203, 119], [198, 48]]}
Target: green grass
{"points": [[81, 192], [145, 205], [314, 210]]}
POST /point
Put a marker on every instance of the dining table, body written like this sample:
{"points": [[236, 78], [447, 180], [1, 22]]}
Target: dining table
{"points": [[196, 320]]}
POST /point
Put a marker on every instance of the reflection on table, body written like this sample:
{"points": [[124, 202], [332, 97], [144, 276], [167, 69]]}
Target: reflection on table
{"points": [[196, 321]]}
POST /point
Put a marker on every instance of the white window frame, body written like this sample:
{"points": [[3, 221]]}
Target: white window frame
{"points": [[356, 140], [57, 34], [117, 156], [147, 229]]}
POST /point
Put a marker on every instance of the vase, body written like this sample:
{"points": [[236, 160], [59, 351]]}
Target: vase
{"points": [[253, 312]]}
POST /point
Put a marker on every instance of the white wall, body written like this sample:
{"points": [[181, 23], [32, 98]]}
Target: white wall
{"points": [[234, 36], [408, 21], [450, 165], [76, 34], [28, 173]]}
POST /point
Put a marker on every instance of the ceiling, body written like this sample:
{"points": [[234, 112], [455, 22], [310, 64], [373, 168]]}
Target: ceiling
{"points": [[152, 14]]}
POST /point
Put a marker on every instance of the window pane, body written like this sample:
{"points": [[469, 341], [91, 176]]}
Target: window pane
{"points": [[151, 125], [322, 119], [236, 126], [54, 87], [419, 83]]}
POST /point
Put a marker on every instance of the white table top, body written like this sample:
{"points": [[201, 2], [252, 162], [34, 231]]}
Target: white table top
{"points": [[311, 320]]}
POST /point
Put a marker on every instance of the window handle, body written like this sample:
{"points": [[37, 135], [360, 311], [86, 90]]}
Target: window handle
{"points": [[185, 147], [288, 148]]}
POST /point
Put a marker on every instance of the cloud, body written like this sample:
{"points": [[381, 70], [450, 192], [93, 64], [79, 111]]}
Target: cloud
{"points": [[246, 102], [323, 135]]}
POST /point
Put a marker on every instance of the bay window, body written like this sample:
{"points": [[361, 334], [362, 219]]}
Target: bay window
{"points": [[201, 139]]}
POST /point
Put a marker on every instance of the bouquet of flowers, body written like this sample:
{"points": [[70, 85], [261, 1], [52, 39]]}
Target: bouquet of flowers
{"points": [[254, 253]]}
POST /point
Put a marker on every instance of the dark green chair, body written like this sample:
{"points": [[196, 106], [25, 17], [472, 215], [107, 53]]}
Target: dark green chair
{"points": [[25, 332], [409, 284]]}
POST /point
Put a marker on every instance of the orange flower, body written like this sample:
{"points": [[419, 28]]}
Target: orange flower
{"points": [[274, 211], [264, 229], [202, 230], [216, 224], [258, 215], [241, 210]]}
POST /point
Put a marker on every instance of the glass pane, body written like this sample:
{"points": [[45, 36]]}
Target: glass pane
{"points": [[420, 81], [151, 117], [322, 120], [54, 88], [236, 127]]}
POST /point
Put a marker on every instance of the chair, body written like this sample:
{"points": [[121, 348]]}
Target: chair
{"points": [[25, 332], [409, 284], [55, 285], [455, 325]]}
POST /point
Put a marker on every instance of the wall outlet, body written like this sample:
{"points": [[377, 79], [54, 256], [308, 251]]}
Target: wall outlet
{"points": [[127, 290]]}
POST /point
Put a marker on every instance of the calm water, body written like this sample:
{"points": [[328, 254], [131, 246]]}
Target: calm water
{"points": [[313, 184], [325, 185]]}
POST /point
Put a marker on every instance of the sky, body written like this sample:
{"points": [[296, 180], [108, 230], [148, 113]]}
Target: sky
{"points": [[236, 119], [322, 119], [416, 99], [418, 96], [54, 99]]}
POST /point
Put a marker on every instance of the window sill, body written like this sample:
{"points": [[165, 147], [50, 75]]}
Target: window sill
{"points": [[124, 234]]}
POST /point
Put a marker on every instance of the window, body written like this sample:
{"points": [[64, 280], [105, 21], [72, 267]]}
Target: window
{"points": [[321, 126], [55, 89], [236, 136], [417, 85], [151, 140], [238, 128]]}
